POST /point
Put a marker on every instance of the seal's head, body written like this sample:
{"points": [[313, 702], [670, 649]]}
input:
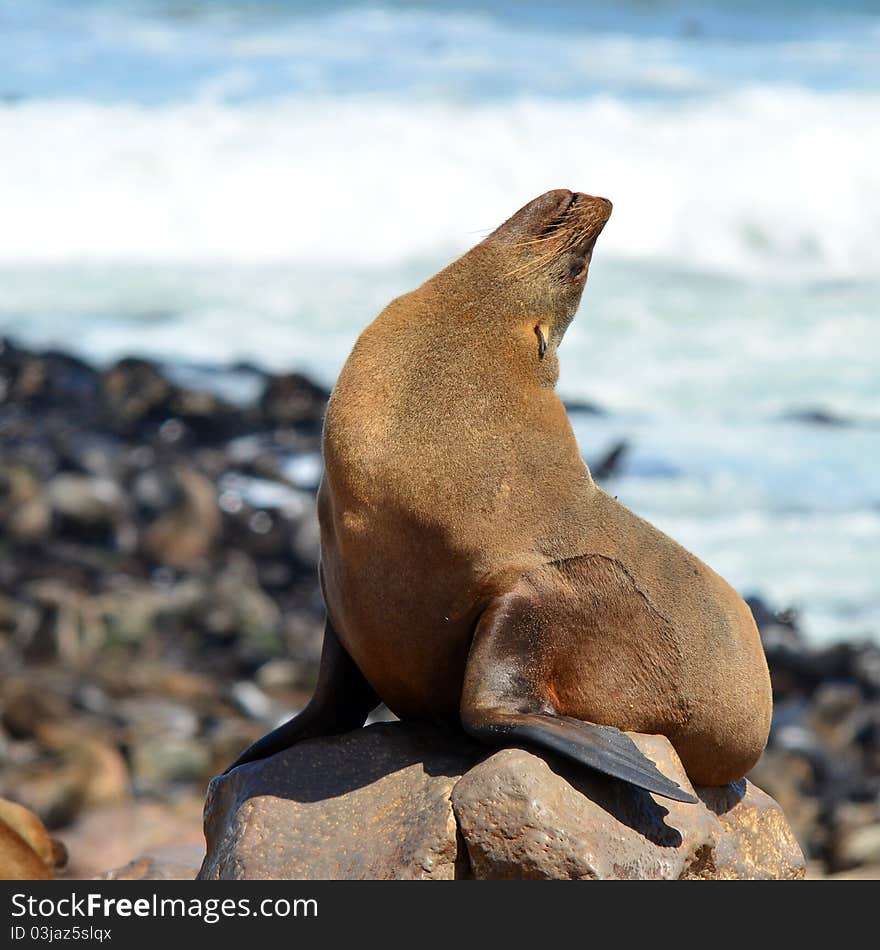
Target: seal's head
{"points": [[546, 249], [533, 268]]}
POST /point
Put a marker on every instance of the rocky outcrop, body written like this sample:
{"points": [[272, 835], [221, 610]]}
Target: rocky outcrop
{"points": [[403, 801]]}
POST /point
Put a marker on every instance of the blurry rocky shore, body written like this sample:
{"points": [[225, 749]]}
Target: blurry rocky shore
{"points": [[159, 609]]}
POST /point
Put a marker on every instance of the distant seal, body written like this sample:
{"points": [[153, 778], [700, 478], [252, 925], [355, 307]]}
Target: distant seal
{"points": [[27, 853], [472, 570]]}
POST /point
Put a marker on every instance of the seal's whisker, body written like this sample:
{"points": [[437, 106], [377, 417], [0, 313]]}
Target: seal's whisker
{"points": [[529, 267], [567, 239], [543, 240]]}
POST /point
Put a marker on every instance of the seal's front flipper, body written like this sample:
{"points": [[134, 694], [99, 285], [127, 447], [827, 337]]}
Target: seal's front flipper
{"points": [[342, 701], [504, 702]]}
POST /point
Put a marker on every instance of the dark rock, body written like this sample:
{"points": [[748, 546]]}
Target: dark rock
{"points": [[584, 408], [293, 400], [86, 507], [815, 417], [46, 380], [141, 401], [611, 463], [766, 617]]}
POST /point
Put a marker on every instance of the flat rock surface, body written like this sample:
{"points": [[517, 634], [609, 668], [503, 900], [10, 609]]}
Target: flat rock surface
{"points": [[398, 800]]}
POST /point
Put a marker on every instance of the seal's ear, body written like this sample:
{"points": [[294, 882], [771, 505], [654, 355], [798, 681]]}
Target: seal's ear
{"points": [[542, 340]]}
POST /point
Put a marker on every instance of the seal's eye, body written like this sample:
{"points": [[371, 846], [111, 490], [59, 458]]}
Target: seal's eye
{"points": [[577, 267]]}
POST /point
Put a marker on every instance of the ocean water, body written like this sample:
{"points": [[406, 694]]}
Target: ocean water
{"points": [[209, 182]]}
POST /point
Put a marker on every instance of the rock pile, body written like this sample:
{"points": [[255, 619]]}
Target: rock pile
{"points": [[823, 760], [159, 606], [402, 801]]}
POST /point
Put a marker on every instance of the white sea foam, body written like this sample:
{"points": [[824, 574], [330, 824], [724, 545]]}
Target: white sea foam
{"points": [[762, 181]]}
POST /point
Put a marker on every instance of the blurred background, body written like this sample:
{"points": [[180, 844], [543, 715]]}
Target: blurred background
{"points": [[201, 206]]}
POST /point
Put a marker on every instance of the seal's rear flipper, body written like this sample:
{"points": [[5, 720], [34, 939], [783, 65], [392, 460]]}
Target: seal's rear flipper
{"points": [[504, 700], [342, 701], [600, 747]]}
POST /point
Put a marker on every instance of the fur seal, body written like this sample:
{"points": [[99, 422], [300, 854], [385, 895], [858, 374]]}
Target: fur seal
{"points": [[27, 853], [472, 570]]}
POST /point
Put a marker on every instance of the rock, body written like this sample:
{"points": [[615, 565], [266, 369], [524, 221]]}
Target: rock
{"points": [[293, 400], [837, 716], [24, 508], [252, 702], [307, 539], [522, 817], [816, 417], [160, 762], [156, 718], [399, 800], [140, 400], [756, 842], [86, 508], [45, 380], [526, 817], [374, 803], [870, 872], [790, 778], [187, 524], [112, 836], [278, 673], [172, 863], [611, 464], [861, 846], [855, 838], [586, 408]]}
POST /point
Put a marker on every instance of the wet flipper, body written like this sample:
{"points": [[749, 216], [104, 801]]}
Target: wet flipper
{"points": [[342, 701], [603, 748], [505, 699]]}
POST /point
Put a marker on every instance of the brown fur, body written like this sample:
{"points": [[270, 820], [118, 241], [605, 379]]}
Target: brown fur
{"points": [[454, 487], [26, 850]]}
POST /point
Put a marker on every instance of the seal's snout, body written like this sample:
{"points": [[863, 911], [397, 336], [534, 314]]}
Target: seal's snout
{"points": [[561, 209], [597, 208], [554, 211], [602, 203]]}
